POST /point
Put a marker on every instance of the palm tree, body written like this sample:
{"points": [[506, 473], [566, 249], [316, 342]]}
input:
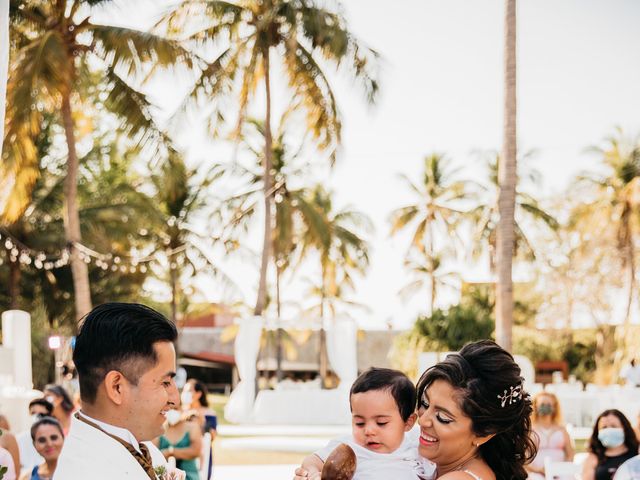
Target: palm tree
{"points": [[112, 212], [294, 218], [57, 49], [507, 179], [179, 199], [431, 269], [617, 204], [486, 216], [343, 253], [435, 213], [303, 35]]}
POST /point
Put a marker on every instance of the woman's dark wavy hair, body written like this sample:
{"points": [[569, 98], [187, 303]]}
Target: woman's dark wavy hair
{"points": [[480, 372], [198, 386], [630, 440], [59, 391]]}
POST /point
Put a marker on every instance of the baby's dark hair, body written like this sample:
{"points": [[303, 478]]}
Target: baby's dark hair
{"points": [[397, 383]]}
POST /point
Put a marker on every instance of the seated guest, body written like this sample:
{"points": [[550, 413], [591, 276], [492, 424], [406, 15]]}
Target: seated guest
{"points": [[611, 444], [62, 405], [29, 456], [550, 435], [196, 405], [48, 438], [181, 440]]}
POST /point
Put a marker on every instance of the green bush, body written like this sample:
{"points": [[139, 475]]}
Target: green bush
{"points": [[451, 329]]}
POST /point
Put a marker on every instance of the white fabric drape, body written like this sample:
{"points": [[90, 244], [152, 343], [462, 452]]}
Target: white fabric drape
{"points": [[342, 351], [4, 61], [239, 408]]}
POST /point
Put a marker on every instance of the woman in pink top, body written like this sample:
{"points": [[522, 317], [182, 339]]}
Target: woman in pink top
{"points": [[552, 438]]}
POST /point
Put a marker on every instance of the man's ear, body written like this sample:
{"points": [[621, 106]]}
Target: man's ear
{"points": [[115, 384], [408, 425]]}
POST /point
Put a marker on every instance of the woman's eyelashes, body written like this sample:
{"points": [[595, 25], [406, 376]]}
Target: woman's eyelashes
{"points": [[439, 416], [442, 419]]}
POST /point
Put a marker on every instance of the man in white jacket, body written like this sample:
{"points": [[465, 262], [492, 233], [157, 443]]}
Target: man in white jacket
{"points": [[126, 362]]}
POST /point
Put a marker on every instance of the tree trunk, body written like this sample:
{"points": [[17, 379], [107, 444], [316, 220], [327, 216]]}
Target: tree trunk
{"points": [[432, 297], [279, 332], [174, 293], [268, 152], [507, 179], [79, 269], [323, 361], [14, 283], [632, 283]]}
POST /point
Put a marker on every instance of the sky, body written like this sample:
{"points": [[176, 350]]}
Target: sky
{"points": [[578, 76], [441, 91]]}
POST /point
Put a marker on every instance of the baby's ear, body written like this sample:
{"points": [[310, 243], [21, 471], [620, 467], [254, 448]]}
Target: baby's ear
{"points": [[408, 425]]}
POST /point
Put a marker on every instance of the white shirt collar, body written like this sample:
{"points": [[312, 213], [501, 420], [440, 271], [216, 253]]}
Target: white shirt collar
{"points": [[121, 433]]}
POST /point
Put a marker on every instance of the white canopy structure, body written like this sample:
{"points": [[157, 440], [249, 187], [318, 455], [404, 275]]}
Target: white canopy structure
{"points": [[295, 404]]}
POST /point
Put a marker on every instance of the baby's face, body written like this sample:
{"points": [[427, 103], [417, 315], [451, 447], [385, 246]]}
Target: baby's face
{"points": [[376, 421]]}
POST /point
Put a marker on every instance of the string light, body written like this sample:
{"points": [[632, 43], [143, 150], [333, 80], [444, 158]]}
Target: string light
{"points": [[17, 252]]}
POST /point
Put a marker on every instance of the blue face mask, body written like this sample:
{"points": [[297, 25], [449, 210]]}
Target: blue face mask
{"points": [[611, 437]]}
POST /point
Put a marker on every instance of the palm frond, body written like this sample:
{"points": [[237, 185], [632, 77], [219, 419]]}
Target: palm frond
{"points": [[132, 50]]}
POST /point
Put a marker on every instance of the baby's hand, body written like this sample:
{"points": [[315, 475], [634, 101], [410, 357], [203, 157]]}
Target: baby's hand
{"points": [[303, 474]]}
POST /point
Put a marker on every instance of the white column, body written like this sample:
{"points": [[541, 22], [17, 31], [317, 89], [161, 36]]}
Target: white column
{"points": [[16, 334], [4, 61]]}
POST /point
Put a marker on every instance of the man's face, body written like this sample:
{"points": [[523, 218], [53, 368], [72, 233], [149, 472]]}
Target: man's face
{"points": [[147, 403]]}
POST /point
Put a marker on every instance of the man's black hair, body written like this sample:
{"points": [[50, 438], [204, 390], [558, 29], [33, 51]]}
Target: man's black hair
{"points": [[395, 382], [43, 402], [118, 336]]}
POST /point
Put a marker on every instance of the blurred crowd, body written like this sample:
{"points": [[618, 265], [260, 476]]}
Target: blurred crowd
{"points": [[33, 454]]}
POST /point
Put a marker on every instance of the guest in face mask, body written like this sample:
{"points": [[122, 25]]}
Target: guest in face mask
{"points": [[550, 435], [62, 405], [181, 440], [611, 444], [29, 456]]}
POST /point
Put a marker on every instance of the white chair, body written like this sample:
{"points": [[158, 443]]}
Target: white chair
{"points": [[205, 456], [560, 470]]}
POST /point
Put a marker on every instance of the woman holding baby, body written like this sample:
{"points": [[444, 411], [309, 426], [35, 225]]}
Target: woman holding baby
{"points": [[473, 416]]}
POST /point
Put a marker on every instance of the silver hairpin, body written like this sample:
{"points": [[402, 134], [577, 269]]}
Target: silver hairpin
{"points": [[513, 395]]}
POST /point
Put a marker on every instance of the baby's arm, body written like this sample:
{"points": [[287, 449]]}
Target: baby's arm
{"points": [[310, 469]]}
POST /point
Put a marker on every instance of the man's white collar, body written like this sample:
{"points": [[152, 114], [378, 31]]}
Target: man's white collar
{"points": [[121, 433]]}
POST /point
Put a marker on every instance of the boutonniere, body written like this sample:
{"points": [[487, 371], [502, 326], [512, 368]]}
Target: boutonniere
{"points": [[168, 473]]}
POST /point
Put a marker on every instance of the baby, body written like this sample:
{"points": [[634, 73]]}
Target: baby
{"points": [[383, 403]]}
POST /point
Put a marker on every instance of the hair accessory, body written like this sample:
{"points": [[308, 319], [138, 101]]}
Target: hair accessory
{"points": [[511, 396]]}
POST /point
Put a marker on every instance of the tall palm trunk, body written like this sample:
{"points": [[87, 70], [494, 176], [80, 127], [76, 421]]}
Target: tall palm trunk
{"points": [[279, 332], [432, 276], [507, 178], [266, 241], [323, 361], [630, 261], [79, 269], [174, 293]]}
